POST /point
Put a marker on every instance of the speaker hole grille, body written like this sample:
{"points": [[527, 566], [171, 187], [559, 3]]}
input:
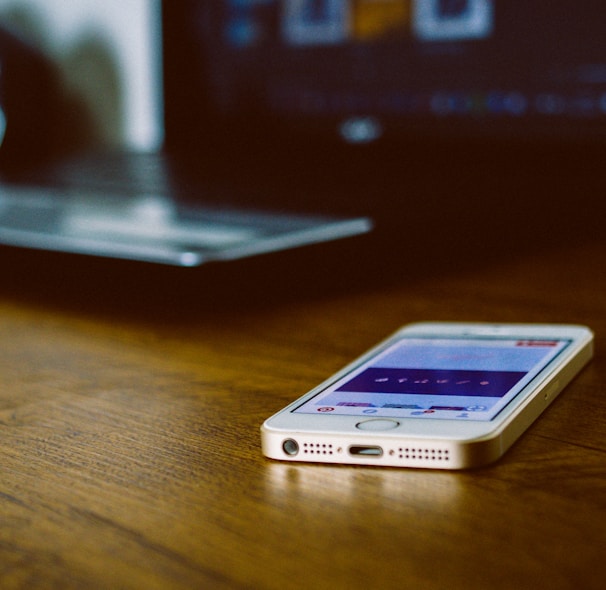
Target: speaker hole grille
{"points": [[423, 454], [317, 449]]}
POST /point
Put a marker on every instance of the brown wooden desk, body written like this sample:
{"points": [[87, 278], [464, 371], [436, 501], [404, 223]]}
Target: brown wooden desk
{"points": [[129, 433]]}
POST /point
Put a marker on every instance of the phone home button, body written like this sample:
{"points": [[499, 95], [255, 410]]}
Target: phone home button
{"points": [[378, 424]]}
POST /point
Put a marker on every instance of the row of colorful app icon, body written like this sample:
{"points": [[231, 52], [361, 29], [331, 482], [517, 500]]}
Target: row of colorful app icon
{"points": [[443, 103], [415, 409], [331, 22]]}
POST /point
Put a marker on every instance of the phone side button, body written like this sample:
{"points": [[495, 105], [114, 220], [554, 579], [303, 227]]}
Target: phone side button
{"points": [[550, 390], [378, 424]]}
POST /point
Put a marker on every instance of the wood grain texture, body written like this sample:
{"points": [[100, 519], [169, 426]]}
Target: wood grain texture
{"points": [[129, 432]]}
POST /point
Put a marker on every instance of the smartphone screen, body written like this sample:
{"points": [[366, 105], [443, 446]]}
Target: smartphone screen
{"points": [[467, 378]]}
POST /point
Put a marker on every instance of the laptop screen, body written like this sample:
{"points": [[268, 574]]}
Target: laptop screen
{"points": [[371, 71]]}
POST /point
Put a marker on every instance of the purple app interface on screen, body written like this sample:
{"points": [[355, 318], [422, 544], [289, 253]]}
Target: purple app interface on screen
{"points": [[467, 379]]}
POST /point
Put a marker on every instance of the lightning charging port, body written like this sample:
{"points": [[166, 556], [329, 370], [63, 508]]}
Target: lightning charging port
{"points": [[365, 451]]}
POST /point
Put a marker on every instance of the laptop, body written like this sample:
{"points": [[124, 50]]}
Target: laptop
{"points": [[294, 122]]}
